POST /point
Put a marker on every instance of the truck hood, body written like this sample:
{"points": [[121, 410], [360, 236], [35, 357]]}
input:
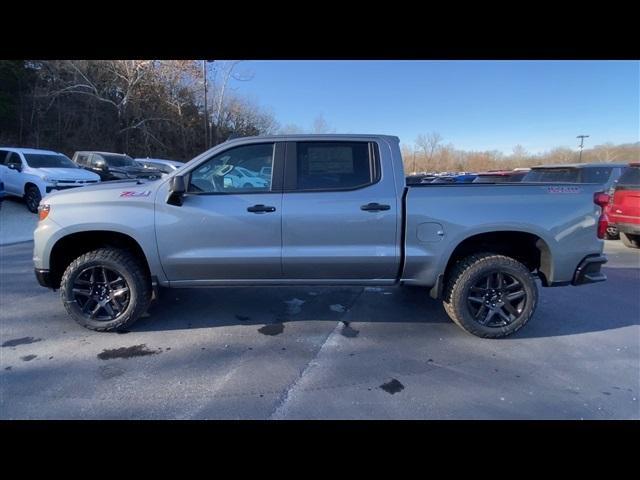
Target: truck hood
{"points": [[110, 190], [68, 174], [136, 171]]}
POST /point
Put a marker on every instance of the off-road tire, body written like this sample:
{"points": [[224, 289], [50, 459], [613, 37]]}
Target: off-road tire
{"points": [[463, 276], [32, 198], [132, 271], [631, 241]]}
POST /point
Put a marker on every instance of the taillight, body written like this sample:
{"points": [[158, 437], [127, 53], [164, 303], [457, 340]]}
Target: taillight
{"points": [[603, 224], [601, 199], [43, 211]]}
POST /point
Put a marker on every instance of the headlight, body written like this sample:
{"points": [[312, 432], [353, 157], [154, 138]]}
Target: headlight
{"points": [[50, 180], [43, 211]]}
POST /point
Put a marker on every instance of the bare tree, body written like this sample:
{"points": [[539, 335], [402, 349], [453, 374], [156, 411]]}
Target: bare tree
{"points": [[429, 144], [320, 125]]}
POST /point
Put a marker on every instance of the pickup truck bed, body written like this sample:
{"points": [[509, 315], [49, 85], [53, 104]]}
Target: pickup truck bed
{"points": [[336, 210]]}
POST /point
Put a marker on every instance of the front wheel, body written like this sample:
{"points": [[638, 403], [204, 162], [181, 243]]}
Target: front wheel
{"points": [[105, 289], [32, 198], [631, 241], [490, 296]]}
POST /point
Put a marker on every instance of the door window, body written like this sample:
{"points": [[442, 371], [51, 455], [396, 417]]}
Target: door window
{"points": [[13, 159], [334, 165], [237, 170]]}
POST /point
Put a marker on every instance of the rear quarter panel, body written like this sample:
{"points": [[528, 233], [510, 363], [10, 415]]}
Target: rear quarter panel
{"points": [[564, 216]]}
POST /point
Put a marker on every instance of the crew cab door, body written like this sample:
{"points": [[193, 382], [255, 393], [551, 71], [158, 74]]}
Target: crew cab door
{"points": [[224, 231], [340, 213], [11, 176]]}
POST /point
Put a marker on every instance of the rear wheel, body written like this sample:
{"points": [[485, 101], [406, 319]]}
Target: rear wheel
{"points": [[32, 198], [630, 240], [490, 296], [105, 289]]}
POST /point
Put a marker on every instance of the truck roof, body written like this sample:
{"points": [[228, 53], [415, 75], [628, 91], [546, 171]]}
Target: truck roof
{"points": [[102, 153], [324, 136]]}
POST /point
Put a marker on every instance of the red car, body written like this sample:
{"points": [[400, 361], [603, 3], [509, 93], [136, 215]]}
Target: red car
{"points": [[623, 210]]}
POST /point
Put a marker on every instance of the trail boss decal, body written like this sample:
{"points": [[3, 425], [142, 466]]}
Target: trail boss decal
{"points": [[564, 189], [144, 193]]}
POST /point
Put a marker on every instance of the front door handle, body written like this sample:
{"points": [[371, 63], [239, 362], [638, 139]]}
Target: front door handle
{"points": [[261, 209], [374, 207]]}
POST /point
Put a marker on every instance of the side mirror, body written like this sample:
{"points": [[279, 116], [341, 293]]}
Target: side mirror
{"points": [[101, 165], [177, 188], [15, 166]]}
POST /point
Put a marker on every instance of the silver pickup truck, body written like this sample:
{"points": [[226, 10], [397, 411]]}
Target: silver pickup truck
{"points": [[335, 210]]}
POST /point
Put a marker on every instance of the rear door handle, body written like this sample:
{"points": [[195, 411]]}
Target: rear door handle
{"points": [[374, 207], [261, 209]]}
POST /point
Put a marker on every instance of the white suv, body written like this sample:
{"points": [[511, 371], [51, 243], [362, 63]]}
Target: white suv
{"points": [[32, 174]]}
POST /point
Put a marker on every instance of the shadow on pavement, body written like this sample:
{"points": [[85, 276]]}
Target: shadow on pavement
{"points": [[561, 311]]}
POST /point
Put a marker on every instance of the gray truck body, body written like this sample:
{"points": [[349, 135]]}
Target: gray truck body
{"points": [[325, 237]]}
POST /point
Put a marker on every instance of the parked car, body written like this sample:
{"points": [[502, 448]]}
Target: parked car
{"points": [[605, 174], [624, 209], [337, 212], [265, 172], [244, 178], [114, 166], [31, 174], [500, 176], [165, 166]]}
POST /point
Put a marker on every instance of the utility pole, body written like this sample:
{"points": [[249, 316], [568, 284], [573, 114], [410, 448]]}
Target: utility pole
{"points": [[581, 137], [206, 110]]}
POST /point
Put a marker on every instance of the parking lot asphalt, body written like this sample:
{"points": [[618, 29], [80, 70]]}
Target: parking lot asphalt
{"points": [[16, 222], [320, 353]]}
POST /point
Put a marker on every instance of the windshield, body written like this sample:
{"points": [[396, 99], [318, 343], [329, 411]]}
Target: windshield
{"points": [[630, 177], [119, 160], [47, 160], [570, 175]]}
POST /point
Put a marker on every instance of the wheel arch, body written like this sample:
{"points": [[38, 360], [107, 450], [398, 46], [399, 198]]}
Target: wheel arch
{"points": [[527, 247], [71, 246]]}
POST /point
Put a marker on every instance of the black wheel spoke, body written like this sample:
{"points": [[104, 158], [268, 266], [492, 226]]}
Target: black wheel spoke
{"points": [[489, 316], [511, 309], [102, 294], [480, 313], [496, 299], [120, 291], [503, 315], [95, 311], [515, 295], [85, 307], [109, 310], [114, 301]]}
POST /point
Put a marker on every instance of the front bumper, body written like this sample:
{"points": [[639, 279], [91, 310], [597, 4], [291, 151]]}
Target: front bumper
{"points": [[588, 270], [43, 277]]}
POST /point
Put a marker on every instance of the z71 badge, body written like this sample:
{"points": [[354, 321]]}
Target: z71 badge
{"points": [[144, 193], [562, 189]]}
